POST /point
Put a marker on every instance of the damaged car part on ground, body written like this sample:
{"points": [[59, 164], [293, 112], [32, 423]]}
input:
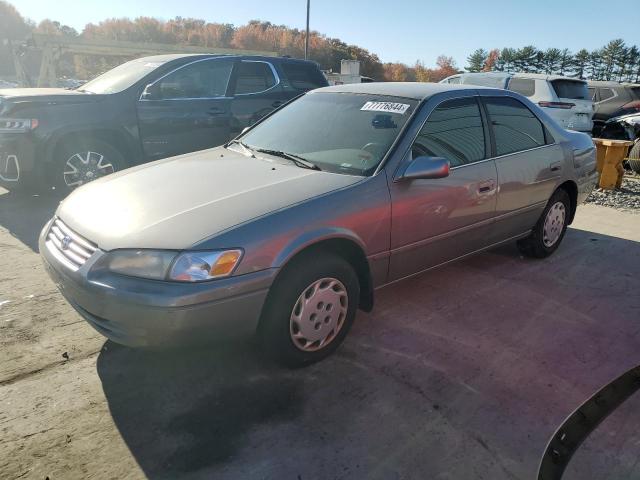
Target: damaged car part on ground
{"points": [[341, 192]]}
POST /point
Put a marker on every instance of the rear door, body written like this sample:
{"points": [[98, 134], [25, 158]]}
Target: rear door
{"points": [[256, 92], [528, 161], [572, 106], [186, 110], [436, 220]]}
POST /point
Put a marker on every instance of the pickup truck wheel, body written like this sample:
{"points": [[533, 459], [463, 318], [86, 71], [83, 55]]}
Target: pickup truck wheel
{"points": [[634, 157], [550, 229], [78, 163], [310, 310]]}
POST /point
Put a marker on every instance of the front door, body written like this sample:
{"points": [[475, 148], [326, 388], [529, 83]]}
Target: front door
{"points": [[257, 92], [187, 110], [437, 220]]}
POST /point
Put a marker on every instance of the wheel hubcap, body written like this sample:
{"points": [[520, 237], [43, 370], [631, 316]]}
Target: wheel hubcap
{"points": [[319, 314], [553, 224], [84, 167]]}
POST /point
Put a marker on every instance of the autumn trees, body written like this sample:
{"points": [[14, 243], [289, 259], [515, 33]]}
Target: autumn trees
{"points": [[614, 61]]}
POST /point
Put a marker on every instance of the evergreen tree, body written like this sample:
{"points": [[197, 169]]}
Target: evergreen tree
{"points": [[477, 60], [566, 60], [581, 62], [551, 60]]}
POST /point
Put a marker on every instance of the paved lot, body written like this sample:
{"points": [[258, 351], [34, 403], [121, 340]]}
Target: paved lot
{"points": [[462, 373]]}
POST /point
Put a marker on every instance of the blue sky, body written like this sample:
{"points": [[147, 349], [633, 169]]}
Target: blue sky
{"points": [[396, 30]]}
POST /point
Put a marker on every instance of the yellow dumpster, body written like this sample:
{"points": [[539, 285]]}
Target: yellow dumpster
{"points": [[610, 154]]}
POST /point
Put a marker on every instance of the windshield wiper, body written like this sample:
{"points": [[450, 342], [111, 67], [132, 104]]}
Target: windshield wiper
{"points": [[298, 160]]}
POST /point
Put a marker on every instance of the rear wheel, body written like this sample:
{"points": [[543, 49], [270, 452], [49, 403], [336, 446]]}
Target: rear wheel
{"points": [[550, 229], [79, 162], [310, 309], [634, 157]]}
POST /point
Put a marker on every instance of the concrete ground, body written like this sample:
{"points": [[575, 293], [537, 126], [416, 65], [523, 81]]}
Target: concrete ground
{"points": [[461, 373]]}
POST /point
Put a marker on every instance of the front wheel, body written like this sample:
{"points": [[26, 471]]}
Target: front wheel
{"points": [[79, 162], [546, 236], [310, 309]]}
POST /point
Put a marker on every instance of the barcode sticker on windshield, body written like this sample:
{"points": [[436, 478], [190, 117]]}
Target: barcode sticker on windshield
{"points": [[390, 107]]}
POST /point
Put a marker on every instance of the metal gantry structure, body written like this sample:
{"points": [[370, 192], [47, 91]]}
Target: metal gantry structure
{"points": [[54, 47]]}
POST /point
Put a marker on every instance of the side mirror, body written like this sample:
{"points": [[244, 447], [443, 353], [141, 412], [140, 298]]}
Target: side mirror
{"points": [[151, 92], [426, 167]]}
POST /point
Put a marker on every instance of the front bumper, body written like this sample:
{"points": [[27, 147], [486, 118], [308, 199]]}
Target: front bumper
{"points": [[17, 160], [139, 312]]}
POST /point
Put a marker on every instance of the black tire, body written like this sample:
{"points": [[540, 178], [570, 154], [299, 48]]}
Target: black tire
{"points": [[634, 157], [276, 327], [535, 244], [110, 159]]}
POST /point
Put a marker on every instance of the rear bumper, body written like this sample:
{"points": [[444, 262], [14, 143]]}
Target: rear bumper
{"points": [[138, 312], [17, 160]]}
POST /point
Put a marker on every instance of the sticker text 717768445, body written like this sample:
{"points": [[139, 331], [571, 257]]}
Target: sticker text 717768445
{"points": [[389, 107]]}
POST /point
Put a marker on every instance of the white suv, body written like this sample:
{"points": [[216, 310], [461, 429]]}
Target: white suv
{"points": [[565, 99]]}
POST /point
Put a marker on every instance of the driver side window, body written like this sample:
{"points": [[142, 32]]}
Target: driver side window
{"points": [[204, 79], [453, 131]]}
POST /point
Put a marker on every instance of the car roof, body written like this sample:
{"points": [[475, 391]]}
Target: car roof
{"points": [[178, 56], [535, 76], [611, 83], [414, 90], [545, 76]]}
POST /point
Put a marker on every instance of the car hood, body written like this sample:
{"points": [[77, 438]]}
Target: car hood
{"points": [[37, 92], [30, 96], [177, 202]]}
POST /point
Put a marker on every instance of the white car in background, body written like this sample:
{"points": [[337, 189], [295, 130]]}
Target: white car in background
{"points": [[565, 99]]}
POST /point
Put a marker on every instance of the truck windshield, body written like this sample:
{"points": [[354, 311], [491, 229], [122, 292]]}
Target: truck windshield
{"points": [[121, 77], [339, 132]]}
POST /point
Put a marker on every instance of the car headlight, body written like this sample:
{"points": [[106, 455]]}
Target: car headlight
{"points": [[196, 266], [201, 266], [18, 125]]}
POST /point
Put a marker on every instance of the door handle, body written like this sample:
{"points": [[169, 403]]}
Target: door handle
{"points": [[555, 166], [277, 104], [215, 111], [486, 186]]}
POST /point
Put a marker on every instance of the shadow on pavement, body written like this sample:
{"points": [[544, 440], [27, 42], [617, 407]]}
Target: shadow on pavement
{"points": [[181, 411], [431, 383], [24, 215]]}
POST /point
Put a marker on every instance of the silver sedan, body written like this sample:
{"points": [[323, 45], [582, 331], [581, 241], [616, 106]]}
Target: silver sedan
{"points": [[290, 228]]}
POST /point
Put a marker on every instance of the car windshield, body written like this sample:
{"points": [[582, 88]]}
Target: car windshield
{"points": [[339, 132], [121, 77]]}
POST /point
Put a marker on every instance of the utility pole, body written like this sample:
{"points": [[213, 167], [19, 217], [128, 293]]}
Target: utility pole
{"points": [[306, 37]]}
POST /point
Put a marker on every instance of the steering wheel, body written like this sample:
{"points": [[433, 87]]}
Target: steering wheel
{"points": [[372, 147]]}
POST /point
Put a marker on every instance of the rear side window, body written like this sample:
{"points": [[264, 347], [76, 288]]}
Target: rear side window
{"points": [[570, 89], [592, 93], [303, 76], [454, 80], [606, 94], [523, 86], [636, 92], [515, 127], [254, 77], [453, 131]]}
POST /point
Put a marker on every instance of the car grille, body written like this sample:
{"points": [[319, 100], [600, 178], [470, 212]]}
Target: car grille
{"points": [[67, 246]]}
